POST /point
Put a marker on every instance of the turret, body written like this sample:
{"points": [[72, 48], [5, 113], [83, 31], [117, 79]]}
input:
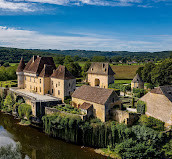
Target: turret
{"points": [[137, 82], [20, 74]]}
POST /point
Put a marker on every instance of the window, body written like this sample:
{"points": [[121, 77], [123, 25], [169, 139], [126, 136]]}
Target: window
{"points": [[30, 87], [34, 88], [58, 92], [91, 69], [30, 79], [113, 100], [40, 89], [69, 84], [34, 79], [58, 83], [25, 78], [52, 91], [52, 82], [69, 92], [40, 80]]}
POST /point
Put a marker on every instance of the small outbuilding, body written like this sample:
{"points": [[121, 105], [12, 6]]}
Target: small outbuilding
{"points": [[102, 100], [159, 104], [137, 82]]}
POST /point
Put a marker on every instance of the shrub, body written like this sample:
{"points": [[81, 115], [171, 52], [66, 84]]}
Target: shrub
{"points": [[167, 149], [152, 122], [8, 103], [24, 110], [141, 107]]}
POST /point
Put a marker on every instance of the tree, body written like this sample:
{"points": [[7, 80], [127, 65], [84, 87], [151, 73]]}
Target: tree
{"points": [[146, 72], [74, 68], [141, 107], [139, 71], [85, 69], [162, 73], [99, 59], [9, 102]]}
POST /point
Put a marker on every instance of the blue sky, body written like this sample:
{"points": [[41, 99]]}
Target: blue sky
{"points": [[129, 25]]}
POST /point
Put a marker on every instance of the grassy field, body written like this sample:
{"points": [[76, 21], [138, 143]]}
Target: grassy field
{"points": [[13, 64], [125, 71]]}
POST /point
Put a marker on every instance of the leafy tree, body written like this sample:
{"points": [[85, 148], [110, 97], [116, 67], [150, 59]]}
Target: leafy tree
{"points": [[139, 71], [74, 68], [167, 149], [8, 103], [85, 68], [141, 107], [99, 59], [162, 73], [68, 59]]}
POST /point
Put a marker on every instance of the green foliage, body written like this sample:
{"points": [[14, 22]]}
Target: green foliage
{"points": [[159, 74], [8, 73], [121, 87], [10, 152], [141, 107], [139, 92], [162, 73], [167, 149], [24, 110], [152, 122], [69, 109], [8, 103], [85, 69], [99, 59], [67, 100]]}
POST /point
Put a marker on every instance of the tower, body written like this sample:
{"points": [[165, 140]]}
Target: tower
{"points": [[137, 82], [20, 74]]}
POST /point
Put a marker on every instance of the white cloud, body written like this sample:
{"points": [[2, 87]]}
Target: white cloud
{"points": [[15, 6], [32, 5], [11, 37]]}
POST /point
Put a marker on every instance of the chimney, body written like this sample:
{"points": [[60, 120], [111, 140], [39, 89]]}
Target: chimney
{"points": [[34, 58]]}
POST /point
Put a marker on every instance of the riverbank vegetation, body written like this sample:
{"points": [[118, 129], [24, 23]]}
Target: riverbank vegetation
{"points": [[138, 141]]}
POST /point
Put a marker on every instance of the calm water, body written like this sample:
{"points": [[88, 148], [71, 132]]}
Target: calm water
{"points": [[37, 145]]}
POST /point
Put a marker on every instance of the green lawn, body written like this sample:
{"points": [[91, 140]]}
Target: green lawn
{"points": [[13, 64]]}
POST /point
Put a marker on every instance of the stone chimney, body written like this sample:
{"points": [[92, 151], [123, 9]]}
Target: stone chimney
{"points": [[34, 58]]}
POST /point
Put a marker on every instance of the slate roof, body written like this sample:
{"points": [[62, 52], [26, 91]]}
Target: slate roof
{"points": [[46, 71], [21, 66], [62, 73], [85, 106], [36, 64], [93, 94], [163, 90], [101, 69], [137, 79]]}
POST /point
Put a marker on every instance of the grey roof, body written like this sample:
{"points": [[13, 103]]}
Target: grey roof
{"points": [[137, 79], [94, 94], [100, 68], [163, 90]]}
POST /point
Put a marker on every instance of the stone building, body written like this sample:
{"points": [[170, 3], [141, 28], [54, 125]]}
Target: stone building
{"points": [[41, 76], [137, 82], [103, 100], [159, 104], [100, 75], [63, 83]]}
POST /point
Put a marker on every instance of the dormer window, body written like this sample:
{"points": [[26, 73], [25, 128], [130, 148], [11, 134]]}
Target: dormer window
{"points": [[103, 65], [91, 69], [40, 80]]}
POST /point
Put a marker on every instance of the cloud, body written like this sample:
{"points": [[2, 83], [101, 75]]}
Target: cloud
{"points": [[16, 6], [32, 5], [12, 37]]}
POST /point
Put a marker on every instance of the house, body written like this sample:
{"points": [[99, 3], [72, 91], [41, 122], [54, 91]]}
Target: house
{"points": [[159, 104], [137, 82], [40, 76], [103, 100], [100, 75]]}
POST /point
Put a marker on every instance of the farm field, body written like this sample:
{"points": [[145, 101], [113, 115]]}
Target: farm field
{"points": [[125, 71]]}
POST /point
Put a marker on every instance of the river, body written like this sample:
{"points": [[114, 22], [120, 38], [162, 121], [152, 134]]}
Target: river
{"points": [[38, 145]]}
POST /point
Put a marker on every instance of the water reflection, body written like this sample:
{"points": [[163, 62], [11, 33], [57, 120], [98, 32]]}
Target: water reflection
{"points": [[37, 145]]}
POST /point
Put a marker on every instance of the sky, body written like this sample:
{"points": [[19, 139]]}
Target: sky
{"points": [[105, 25]]}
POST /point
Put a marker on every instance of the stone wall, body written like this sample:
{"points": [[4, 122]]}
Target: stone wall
{"points": [[124, 117], [98, 109], [137, 85]]}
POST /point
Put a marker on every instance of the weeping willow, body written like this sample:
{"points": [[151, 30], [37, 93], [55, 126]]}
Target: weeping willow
{"points": [[72, 129]]}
